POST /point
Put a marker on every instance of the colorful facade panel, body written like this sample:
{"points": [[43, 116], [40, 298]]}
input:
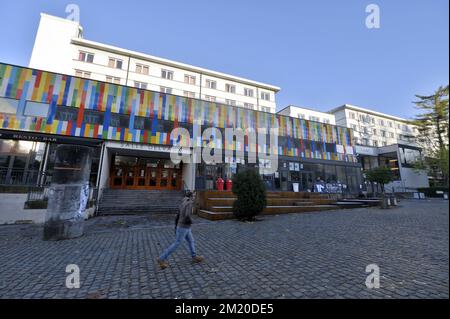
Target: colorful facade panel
{"points": [[298, 137]]}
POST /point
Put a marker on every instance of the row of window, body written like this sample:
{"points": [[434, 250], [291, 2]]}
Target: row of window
{"points": [[315, 118], [367, 142], [165, 74], [365, 118], [375, 132]]}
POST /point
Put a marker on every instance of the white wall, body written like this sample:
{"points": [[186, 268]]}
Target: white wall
{"points": [[300, 112], [12, 211], [52, 50]]}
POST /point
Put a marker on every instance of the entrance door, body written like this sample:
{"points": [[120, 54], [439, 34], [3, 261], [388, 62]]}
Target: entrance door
{"points": [[306, 181], [145, 173]]}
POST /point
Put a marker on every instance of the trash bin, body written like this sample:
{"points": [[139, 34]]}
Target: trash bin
{"points": [[295, 187]]}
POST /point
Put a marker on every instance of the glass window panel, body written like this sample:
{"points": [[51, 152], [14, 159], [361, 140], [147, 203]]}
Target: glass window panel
{"points": [[36, 109], [8, 105]]}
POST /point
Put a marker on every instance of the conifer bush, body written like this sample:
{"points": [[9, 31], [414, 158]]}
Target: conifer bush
{"points": [[250, 190]]}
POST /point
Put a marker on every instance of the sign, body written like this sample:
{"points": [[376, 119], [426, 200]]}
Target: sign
{"points": [[366, 150], [143, 147], [39, 137]]}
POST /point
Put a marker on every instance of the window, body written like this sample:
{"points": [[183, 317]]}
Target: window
{"points": [[115, 63], [375, 143], [142, 69], [230, 102], [66, 113], [249, 106], [352, 115], [230, 88], [82, 74], [86, 57], [93, 117], [391, 135], [372, 120], [119, 120], [390, 124], [384, 144], [211, 84], [8, 105], [166, 74], [112, 79], [141, 123], [189, 94], [140, 85], [381, 122], [190, 79], [403, 127], [210, 98], [327, 121], [354, 127], [383, 133], [36, 109], [365, 141], [265, 96], [248, 92], [374, 132], [266, 109], [167, 90], [301, 116], [314, 118], [366, 131]]}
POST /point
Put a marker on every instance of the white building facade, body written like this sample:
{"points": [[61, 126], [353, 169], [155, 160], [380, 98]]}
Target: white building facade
{"points": [[60, 47], [385, 140], [373, 128], [308, 114]]}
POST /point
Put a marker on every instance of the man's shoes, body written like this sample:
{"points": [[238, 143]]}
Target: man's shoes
{"points": [[163, 264], [198, 259]]}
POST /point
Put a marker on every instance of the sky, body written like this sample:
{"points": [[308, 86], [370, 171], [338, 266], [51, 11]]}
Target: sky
{"points": [[320, 52]]}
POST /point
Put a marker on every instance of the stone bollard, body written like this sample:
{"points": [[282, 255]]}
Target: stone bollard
{"points": [[68, 193]]}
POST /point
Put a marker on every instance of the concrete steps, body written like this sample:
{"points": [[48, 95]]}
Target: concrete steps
{"points": [[131, 202], [216, 205]]}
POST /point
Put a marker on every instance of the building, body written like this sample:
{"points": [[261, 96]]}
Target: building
{"points": [[373, 128], [129, 130], [309, 114], [385, 140], [60, 47]]}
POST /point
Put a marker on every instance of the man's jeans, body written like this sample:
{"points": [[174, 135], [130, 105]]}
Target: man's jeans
{"points": [[182, 233]]}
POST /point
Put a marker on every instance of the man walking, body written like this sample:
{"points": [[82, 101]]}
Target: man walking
{"points": [[183, 231]]}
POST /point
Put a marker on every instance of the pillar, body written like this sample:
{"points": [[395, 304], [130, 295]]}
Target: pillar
{"points": [[68, 193]]}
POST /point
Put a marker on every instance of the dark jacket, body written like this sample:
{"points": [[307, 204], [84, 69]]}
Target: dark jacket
{"points": [[184, 216]]}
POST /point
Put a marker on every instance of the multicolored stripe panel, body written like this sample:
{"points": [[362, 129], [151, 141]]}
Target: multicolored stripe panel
{"points": [[297, 137]]}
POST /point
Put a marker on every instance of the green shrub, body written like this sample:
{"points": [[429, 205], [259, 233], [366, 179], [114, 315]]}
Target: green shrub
{"points": [[431, 191], [251, 195]]}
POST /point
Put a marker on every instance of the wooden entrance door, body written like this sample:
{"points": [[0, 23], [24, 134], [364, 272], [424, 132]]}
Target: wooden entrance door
{"points": [[152, 176]]}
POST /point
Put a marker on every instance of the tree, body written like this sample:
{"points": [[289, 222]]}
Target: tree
{"points": [[251, 195], [381, 175], [433, 127]]}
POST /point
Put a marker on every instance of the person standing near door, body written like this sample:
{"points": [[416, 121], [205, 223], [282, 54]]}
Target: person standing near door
{"points": [[183, 231]]}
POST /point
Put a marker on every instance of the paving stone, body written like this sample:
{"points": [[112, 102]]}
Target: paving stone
{"points": [[323, 255]]}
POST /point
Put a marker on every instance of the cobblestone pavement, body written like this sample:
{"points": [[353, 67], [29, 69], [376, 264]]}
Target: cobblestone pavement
{"points": [[309, 255]]}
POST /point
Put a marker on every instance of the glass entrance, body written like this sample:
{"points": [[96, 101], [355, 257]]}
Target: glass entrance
{"points": [[145, 173]]}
